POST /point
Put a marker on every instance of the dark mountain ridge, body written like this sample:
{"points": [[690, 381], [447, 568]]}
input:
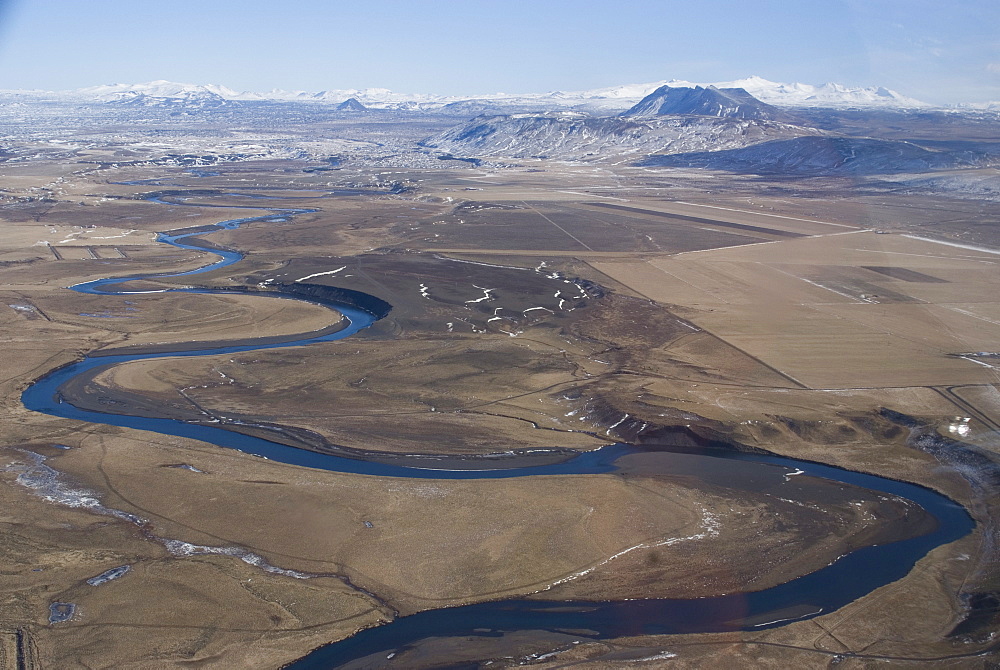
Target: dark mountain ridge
{"points": [[580, 136], [351, 105], [818, 155], [733, 103]]}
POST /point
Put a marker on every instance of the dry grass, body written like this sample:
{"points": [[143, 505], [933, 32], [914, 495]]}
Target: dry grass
{"points": [[812, 310]]}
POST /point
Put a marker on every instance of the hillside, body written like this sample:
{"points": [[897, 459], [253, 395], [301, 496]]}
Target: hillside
{"points": [[581, 136], [734, 103]]}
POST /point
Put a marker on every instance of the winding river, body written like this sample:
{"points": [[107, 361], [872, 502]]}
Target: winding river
{"points": [[843, 581]]}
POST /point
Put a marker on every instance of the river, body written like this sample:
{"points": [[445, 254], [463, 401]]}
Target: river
{"points": [[843, 581]]}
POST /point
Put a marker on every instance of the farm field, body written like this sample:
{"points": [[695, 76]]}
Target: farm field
{"points": [[550, 311]]}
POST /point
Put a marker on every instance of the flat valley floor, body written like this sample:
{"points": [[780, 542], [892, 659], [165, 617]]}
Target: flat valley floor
{"points": [[538, 306]]}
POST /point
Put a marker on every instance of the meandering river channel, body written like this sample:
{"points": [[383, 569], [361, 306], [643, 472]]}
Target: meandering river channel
{"points": [[846, 579]]}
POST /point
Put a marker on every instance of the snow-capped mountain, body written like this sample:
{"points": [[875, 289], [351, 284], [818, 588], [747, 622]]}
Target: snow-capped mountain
{"points": [[988, 106], [189, 100], [705, 127], [610, 99], [771, 92], [827, 95], [153, 89], [733, 103]]}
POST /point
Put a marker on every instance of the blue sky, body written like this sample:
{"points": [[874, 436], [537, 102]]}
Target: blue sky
{"points": [[930, 50]]}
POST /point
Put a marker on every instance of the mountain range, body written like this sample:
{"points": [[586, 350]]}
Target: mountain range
{"points": [[751, 126], [577, 136], [730, 129], [615, 98]]}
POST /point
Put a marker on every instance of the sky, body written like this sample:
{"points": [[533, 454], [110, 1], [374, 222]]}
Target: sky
{"points": [[938, 52]]}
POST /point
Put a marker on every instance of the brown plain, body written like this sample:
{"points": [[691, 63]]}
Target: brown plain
{"points": [[785, 340]]}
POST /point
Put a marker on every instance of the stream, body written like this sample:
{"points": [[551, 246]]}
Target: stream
{"points": [[839, 583]]}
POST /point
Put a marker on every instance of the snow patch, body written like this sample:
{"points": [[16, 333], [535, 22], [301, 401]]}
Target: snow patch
{"points": [[321, 274]]}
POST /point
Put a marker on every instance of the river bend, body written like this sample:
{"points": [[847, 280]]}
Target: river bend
{"points": [[843, 581]]}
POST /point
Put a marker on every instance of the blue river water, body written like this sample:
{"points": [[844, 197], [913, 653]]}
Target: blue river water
{"points": [[841, 582]]}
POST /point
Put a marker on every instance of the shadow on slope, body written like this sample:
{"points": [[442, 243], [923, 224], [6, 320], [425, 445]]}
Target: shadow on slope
{"points": [[812, 155]]}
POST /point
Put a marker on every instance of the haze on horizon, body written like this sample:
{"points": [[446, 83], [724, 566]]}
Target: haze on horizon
{"points": [[920, 48]]}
